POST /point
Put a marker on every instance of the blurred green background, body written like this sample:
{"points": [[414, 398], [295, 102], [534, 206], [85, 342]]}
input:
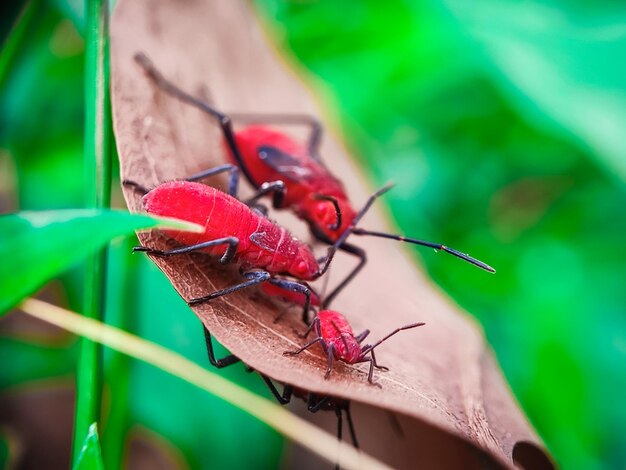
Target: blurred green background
{"points": [[502, 123]]}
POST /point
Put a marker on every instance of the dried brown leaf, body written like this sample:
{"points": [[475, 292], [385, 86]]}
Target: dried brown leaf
{"points": [[444, 385]]}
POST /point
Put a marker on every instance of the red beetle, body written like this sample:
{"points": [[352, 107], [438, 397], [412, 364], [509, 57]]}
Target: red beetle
{"points": [[337, 339], [238, 234], [266, 156]]}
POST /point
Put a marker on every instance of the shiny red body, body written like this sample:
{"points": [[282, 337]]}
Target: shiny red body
{"points": [[262, 243], [303, 180], [334, 329]]}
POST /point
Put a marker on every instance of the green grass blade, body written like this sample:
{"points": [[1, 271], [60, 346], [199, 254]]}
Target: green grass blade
{"points": [[11, 46], [98, 194], [121, 313], [90, 456], [36, 246]]}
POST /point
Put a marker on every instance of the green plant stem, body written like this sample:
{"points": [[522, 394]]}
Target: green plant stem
{"points": [[11, 46], [98, 194], [279, 418], [117, 369]]}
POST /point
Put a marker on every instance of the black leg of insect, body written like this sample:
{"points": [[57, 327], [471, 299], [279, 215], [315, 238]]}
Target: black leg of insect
{"points": [[219, 363], [233, 180], [359, 253], [282, 398], [254, 278], [276, 188], [227, 257], [316, 403]]}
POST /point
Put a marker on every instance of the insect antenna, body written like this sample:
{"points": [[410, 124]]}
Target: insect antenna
{"points": [[223, 120], [136, 186], [436, 246], [367, 349], [322, 294], [169, 88]]}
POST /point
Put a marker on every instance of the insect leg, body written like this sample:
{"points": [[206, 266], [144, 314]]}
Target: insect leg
{"points": [[223, 120], [370, 375], [346, 408], [314, 403], [232, 242], [260, 209], [233, 179], [283, 398], [375, 363], [339, 430], [306, 346], [339, 423], [255, 277], [314, 323], [219, 363], [296, 287], [436, 246], [353, 250], [361, 336], [275, 187], [331, 358]]}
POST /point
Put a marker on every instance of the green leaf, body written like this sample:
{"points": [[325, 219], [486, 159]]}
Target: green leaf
{"points": [[33, 361], [90, 457], [36, 246], [45, 159], [562, 63]]}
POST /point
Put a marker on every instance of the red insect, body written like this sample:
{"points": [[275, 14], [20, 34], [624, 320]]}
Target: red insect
{"points": [[266, 156], [337, 339], [315, 402], [238, 234]]}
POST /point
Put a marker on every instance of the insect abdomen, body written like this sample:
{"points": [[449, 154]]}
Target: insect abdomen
{"points": [[262, 244]]}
